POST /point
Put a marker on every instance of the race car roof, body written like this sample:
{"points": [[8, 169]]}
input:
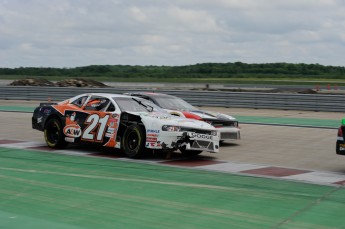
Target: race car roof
{"points": [[105, 95], [151, 94]]}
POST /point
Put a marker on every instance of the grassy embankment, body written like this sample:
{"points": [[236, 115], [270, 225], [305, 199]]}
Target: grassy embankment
{"points": [[252, 79]]}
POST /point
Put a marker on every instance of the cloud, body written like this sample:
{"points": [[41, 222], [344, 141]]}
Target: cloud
{"points": [[69, 33]]}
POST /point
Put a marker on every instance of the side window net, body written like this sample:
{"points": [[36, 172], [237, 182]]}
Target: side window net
{"points": [[80, 101], [100, 104]]}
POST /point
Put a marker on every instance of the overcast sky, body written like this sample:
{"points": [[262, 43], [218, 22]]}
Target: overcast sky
{"points": [[72, 33]]}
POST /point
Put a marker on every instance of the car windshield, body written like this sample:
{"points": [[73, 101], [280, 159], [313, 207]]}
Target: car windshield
{"points": [[174, 103], [131, 105], [149, 104]]}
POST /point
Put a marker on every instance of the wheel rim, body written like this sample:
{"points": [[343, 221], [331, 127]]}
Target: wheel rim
{"points": [[133, 140]]}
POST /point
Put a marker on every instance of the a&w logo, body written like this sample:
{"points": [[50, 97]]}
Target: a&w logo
{"points": [[72, 130]]}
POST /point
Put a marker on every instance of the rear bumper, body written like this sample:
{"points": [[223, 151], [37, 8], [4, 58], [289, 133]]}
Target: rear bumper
{"points": [[37, 120], [340, 147]]}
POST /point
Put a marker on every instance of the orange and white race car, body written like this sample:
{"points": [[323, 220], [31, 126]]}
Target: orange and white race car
{"points": [[120, 121]]}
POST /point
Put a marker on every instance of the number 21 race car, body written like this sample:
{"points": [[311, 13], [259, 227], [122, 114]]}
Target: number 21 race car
{"points": [[120, 121]]}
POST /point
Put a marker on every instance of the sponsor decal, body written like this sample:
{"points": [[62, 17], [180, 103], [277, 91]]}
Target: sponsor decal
{"points": [[109, 135], [47, 111], [151, 139], [160, 116], [68, 139], [152, 135], [152, 131], [73, 131], [114, 125], [39, 120], [73, 117], [114, 120], [202, 136], [153, 144], [110, 130]]}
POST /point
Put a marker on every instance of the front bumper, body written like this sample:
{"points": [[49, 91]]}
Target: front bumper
{"points": [[229, 133], [186, 140]]}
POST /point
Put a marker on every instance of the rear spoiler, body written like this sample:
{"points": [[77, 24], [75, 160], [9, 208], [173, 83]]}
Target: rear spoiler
{"points": [[47, 104]]}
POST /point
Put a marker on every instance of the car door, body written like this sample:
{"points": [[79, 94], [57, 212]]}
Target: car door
{"points": [[97, 121]]}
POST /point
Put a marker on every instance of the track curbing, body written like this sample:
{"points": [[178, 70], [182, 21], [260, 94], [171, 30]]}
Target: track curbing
{"points": [[246, 169]]}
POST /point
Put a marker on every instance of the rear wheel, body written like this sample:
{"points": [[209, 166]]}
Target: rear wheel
{"points": [[53, 134], [133, 141]]}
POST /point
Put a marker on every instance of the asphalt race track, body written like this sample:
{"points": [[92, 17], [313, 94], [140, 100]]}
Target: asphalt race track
{"points": [[273, 145], [279, 175]]}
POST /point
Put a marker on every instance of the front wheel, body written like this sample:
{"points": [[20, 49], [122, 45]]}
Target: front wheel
{"points": [[53, 134], [133, 141]]}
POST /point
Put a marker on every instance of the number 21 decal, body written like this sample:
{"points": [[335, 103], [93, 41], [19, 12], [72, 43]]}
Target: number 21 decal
{"points": [[94, 121]]}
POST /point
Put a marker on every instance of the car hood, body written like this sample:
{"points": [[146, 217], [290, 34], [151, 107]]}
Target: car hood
{"points": [[166, 119], [208, 114]]}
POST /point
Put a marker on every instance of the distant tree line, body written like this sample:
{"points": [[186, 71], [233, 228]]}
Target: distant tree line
{"points": [[205, 70]]}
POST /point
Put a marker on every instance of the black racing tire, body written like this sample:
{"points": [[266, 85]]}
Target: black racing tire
{"points": [[133, 141], [53, 134], [190, 153]]}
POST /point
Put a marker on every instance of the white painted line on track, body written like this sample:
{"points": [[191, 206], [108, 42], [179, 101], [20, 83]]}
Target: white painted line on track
{"points": [[22, 145], [231, 167], [318, 177]]}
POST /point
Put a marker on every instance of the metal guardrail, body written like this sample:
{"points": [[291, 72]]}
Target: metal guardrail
{"points": [[311, 102]]}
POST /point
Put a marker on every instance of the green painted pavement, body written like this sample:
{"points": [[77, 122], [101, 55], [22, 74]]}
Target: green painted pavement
{"points": [[330, 123], [45, 189], [327, 123], [17, 109]]}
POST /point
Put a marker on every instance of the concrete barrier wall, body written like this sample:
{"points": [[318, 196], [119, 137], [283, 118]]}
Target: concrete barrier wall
{"points": [[287, 101]]}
